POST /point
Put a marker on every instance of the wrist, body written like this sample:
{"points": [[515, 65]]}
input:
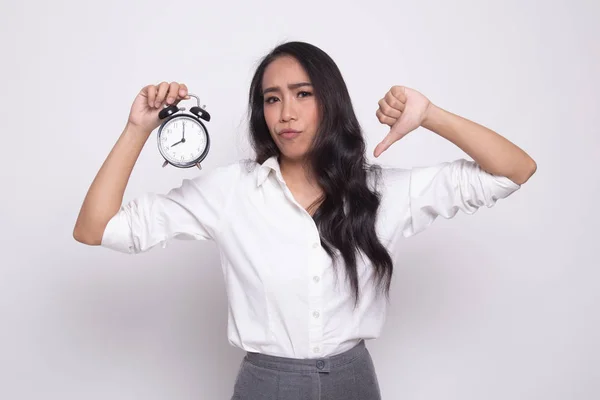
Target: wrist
{"points": [[432, 116], [135, 131]]}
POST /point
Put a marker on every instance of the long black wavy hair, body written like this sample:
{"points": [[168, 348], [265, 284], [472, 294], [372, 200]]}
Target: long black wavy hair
{"points": [[347, 211]]}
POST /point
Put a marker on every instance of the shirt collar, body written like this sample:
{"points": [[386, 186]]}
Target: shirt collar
{"points": [[271, 164]]}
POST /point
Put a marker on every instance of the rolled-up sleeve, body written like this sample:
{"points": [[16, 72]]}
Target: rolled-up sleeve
{"points": [[449, 187], [193, 211]]}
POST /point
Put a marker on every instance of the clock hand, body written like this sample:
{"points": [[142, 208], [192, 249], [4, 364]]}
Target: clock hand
{"points": [[183, 138], [175, 144]]}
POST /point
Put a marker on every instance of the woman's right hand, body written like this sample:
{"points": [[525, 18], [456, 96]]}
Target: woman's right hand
{"points": [[151, 100]]}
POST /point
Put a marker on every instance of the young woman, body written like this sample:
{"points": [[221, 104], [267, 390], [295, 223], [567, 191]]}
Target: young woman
{"points": [[307, 230]]}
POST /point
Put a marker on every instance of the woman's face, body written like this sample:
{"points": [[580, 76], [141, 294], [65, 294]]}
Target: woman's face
{"points": [[290, 103]]}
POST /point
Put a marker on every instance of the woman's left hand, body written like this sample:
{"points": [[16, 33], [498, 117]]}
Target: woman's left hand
{"points": [[404, 110]]}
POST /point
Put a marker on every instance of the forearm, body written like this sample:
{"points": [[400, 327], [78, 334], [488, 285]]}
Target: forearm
{"points": [[491, 151], [105, 195]]}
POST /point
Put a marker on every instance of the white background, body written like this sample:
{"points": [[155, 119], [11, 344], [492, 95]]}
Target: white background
{"points": [[499, 305]]}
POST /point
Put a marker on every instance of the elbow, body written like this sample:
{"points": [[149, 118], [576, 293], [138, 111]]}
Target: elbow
{"points": [[533, 167], [86, 237], [524, 175]]}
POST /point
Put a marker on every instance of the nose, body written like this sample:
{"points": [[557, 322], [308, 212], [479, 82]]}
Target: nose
{"points": [[288, 111]]}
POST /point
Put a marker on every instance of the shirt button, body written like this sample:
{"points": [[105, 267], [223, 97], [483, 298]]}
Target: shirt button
{"points": [[316, 349], [316, 314], [320, 364], [315, 245], [316, 278]]}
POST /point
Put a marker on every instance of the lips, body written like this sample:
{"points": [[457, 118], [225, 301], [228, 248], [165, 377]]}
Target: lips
{"points": [[289, 133]]}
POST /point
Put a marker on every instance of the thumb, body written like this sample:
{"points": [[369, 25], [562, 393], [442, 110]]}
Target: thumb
{"points": [[397, 131], [405, 124], [383, 145]]}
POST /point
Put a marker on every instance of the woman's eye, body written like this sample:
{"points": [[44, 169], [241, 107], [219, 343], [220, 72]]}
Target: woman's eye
{"points": [[272, 99]]}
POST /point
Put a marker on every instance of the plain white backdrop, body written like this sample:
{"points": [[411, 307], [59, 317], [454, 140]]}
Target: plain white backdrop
{"points": [[502, 304]]}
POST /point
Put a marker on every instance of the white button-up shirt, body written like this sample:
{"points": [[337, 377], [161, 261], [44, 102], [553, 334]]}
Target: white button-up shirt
{"points": [[285, 298]]}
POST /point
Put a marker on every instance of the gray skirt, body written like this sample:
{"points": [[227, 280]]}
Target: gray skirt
{"points": [[346, 376]]}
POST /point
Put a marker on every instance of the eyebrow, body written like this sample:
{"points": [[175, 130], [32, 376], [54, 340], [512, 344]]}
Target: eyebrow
{"points": [[290, 86]]}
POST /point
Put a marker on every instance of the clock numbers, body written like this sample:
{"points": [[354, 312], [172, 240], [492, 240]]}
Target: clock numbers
{"points": [[181, 151]]}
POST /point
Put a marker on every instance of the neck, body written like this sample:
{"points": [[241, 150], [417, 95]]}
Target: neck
{"points": [[297, 173]]}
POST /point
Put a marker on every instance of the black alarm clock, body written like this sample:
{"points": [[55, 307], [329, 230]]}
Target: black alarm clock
{"points": [[183, 140]]}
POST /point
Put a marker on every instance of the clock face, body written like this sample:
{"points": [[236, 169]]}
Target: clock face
{"points": [[182, 140]]}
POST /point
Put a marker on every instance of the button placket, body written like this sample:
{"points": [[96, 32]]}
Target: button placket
{"points": [[315, 325]]}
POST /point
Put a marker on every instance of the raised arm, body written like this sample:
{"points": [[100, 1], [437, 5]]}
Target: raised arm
{"points": [[405, 109], [492, 152], [105, 195]]}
